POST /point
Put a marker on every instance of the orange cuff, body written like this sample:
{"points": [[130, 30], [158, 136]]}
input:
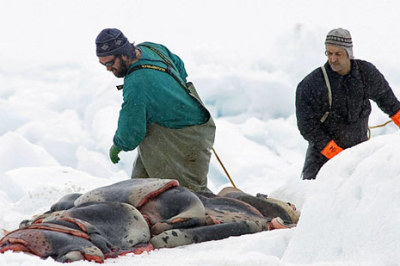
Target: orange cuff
{"points": [[396, 118], [332, 149]]}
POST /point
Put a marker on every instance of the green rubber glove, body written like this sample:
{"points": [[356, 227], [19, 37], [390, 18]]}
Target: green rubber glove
{"points": [[114, 150]]}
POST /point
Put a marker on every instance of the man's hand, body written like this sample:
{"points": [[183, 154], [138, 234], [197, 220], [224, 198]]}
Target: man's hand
{"points": [[114, 150]]}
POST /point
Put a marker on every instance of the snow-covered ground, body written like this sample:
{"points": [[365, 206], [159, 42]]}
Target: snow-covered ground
{"points": [[59, 110]]}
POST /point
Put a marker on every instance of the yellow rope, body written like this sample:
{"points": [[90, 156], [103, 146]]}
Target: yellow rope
{"points": [[223, 167], [381, 125]]}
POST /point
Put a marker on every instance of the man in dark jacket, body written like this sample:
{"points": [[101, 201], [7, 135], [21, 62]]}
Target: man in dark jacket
{"points": [[332, 112], [161, 114]]}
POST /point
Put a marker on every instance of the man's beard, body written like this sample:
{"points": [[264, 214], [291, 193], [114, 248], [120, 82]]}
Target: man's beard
{"points": [[123, 69]]}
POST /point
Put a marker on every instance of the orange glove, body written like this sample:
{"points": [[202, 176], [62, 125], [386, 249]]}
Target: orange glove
{"points": [[331, 150], [396, 118]]}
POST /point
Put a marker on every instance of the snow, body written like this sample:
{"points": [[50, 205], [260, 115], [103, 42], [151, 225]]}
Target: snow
{"points": [[59, 110]]}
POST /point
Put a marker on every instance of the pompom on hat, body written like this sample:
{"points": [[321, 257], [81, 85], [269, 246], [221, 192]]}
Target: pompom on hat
{"points": [[113, 42], [342, 38]]}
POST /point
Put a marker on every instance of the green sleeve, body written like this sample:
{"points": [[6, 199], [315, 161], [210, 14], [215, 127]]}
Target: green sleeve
{"points": [[132, 122]]}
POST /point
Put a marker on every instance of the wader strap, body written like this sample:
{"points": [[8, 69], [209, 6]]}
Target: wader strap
{"points": [[158, 53], [328, 85], [161, 69]]}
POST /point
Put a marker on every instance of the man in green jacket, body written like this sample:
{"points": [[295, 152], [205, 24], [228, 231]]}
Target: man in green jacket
{"points": [[161, 114]]}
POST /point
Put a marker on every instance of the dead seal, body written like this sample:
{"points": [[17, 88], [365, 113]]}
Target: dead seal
{"points": [[88, 231], [136, 191], [109, 224], [228, 215], [48, 243], [230, 210], [269, 207], [179, 237], [176, 207]]}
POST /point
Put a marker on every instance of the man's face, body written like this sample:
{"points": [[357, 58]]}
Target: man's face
{"points": [[115, 64], [338, 59]]}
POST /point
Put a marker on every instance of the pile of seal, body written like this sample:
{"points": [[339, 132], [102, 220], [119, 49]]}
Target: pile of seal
{"points": [[139, 215]]}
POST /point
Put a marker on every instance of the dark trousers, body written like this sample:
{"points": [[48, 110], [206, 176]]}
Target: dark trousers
{"points": [[313, 162]]}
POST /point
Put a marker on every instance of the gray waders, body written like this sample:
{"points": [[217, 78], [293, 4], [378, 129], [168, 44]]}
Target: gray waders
{"points": [[182, 154]]}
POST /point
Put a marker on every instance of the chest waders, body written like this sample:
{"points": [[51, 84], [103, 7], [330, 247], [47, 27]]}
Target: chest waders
{"points": [[182, 154]]}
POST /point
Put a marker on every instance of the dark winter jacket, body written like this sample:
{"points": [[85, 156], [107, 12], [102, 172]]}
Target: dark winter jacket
{"points": [[347, 123]]}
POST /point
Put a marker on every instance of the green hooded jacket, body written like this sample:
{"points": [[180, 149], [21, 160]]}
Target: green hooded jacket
{"points": [[151, 96]]}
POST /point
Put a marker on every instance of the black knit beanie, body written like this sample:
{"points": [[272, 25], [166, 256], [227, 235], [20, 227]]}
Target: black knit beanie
{"points": [[113, 42]]}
